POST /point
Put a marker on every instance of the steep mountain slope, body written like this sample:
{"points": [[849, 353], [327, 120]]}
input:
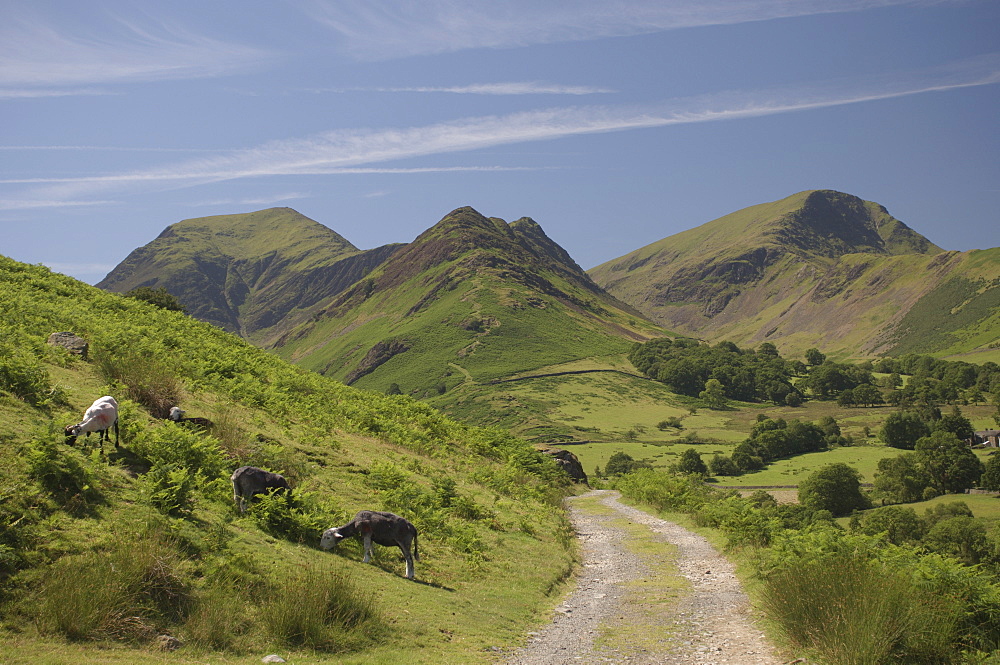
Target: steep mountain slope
{"points": [[255, 274], [819, 268], [470, 300]]}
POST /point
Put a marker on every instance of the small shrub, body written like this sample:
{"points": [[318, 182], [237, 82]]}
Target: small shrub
{"points": [[170, 488], [124, 591], [61, 471], [172, 444], [145, 379], [281, 514], [321, 609], [854, 611], [24, 376]]}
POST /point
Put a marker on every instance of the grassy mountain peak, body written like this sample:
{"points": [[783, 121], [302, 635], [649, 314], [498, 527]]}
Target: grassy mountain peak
{"points": [[473, 298], [819, 269], [249, 272]]}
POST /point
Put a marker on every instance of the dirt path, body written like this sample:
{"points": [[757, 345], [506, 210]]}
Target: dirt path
{"points": [[650, 591]]}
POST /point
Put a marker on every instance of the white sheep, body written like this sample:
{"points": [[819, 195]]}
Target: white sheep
{"points": [[177, 415], [99, 417]]}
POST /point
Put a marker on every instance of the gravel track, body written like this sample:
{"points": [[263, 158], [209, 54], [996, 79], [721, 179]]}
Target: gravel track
{"points": [[707, 623]]}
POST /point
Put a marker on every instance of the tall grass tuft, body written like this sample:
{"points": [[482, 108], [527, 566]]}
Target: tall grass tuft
{"points": [[320, 609], [125, 591], [146, 379], [851, 610], [221, 618]]}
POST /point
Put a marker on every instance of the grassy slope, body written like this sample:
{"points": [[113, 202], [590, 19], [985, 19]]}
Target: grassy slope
{"points": [[325, 436]]}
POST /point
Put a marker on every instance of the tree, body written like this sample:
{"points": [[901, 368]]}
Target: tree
{"points": [[901, 479], [951, 464], [899, 525], [990, 479], [847, 398], [619, 464], [692, 463], [159, 297], [768, 349], [957, 424], [714, 394], [902, 429], [722, 465], [961, 537], [834, 487], [867, 395], [815, 357], [394, 389]]}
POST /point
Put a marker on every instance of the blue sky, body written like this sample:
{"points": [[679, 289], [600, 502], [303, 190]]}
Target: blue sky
{"points": [[611, 123]]}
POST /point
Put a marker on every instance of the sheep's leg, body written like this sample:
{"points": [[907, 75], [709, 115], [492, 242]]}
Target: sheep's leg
{"points": [[368, 547], [409, 561]]}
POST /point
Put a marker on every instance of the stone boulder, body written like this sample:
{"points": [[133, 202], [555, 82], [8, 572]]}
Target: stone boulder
{"points": [[569, 463], [73, 343]]}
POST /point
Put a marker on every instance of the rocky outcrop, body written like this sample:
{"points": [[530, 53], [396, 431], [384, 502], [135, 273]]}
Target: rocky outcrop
{"points": [[76, 345], [377, 355], [569, 463]]}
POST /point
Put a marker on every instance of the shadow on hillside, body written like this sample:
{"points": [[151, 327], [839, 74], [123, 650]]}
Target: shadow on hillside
{"points": [[129, 461]]}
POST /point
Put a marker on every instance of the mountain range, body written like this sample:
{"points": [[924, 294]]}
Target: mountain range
{"points": [[475, 299]]}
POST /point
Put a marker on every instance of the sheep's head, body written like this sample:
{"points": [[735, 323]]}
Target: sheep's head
{"points": [[71, 432], [176, 413], [330, 538]]}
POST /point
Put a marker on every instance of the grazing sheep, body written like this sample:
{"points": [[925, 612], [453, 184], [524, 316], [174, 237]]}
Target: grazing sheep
{"points": [[99, 417], [177, 415], [249, 481], [383, 528]]}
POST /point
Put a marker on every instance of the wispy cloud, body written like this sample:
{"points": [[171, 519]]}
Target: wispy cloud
{"points": [[358, 151], [37, 93], [37, 52], [380, 29], [99, 148], [251, 201], [32, 204], [509, 88]]}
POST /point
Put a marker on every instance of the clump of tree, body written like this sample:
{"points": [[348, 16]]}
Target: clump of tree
{"points": [[158, 296], [836, 488], [903, 429], [691, 463], [690, 367], [940, 464], [936, 381], [946, 528], [775, 438], [717, 373]]}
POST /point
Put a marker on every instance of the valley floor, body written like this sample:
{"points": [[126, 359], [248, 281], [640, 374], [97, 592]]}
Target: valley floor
{"points": [[650, 591]]}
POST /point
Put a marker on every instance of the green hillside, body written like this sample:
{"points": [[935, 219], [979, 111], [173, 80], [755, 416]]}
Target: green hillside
{"points": [[818, 269], [100, 554], [471, 300]]}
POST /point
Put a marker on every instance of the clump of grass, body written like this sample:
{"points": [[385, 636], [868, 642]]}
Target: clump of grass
{"points": [[124, 591], [145, 379], [853, 611], [220, 619], [321, 609]]}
